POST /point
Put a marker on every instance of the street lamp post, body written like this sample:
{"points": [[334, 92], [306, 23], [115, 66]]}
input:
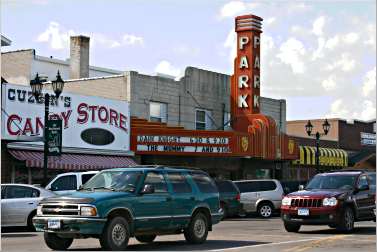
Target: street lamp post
{"points": [[36, 88], [326, 128]]}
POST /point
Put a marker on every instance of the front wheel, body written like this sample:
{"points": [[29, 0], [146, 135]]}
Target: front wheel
{"points": [[115, 235], [347, 220], [197, 231], [145, 238], [292, 227], [54, 242]]}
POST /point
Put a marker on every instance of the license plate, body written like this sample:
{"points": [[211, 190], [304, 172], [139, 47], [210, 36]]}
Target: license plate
{"points": [[303, 211], [53, 224]]}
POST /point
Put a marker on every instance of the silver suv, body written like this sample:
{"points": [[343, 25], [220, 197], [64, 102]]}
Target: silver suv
{"points": [[262, 196]]}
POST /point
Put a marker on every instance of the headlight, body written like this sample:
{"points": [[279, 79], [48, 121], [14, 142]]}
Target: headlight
{"points": [[329, 201], [39, 210], [88, 211], [286, 201]]}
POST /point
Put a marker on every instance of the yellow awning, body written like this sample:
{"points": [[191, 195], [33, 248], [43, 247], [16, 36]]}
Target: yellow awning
{"points": [[327, 156]]}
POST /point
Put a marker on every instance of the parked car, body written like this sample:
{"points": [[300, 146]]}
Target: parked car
{"points": [[19, 204], [69, 182], [260, 196], [229, 197], [337, 199], [140, 202]]}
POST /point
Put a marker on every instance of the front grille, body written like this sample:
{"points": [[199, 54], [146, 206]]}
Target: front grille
{"points": [[60, 209], [306, 202]]}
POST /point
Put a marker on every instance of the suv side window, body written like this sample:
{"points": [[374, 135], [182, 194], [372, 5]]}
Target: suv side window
{"points": [[363, 181], [248, 186], [267, 185], [157, 180], [204, 183], [64, 183], [179, 183]]}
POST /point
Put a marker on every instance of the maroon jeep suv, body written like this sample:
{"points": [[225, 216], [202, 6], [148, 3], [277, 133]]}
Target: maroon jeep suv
{"points": [[337, 199]]}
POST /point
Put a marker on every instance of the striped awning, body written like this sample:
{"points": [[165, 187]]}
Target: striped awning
{"points": [[327, 156], [69, 161]]}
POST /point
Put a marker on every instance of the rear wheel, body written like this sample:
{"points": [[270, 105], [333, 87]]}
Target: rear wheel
{"points": [[265, 210], [116, 234], [347, 220], [54, 242], [145, 238], [197, 231], [292, 227]]}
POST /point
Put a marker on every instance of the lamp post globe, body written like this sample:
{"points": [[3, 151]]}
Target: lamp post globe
{"points": [[58, 85], [326, 127], [309, 128], [36, 86]]}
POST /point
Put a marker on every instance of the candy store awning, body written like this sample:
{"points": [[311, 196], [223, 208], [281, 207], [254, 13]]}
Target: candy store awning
{"points": [[327, 156]]}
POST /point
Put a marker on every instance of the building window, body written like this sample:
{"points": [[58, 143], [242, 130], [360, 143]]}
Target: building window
{"points": [[203, 119], [158, 112]]}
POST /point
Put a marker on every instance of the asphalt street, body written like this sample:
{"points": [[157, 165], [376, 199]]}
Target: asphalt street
{"points": [[239, 234]]}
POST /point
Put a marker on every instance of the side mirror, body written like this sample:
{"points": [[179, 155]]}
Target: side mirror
{"points": [[147, 189], [301, 187]]}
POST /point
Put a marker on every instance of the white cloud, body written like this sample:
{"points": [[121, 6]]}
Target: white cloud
{"points": [[186, 50], [165, 67], [270, 20], [369, 85], [291, 53], [232, 8], [345, 63], [351, 38], [318, 26], [329, 84], [332, 42], [57, 37], [130, 39]]}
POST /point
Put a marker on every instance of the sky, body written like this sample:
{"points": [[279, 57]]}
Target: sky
{"points": [[320, 56]]}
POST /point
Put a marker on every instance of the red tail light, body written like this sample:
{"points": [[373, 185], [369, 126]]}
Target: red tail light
{"points": [[238, 197]]}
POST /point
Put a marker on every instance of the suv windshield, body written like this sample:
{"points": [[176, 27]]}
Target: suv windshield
{"points": [[113, 180], [343, 182]]}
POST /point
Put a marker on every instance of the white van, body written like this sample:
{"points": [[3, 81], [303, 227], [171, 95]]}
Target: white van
{"points": [[69, 182]]}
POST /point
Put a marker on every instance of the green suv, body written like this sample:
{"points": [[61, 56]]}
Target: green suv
{"points": [[140, 202]]}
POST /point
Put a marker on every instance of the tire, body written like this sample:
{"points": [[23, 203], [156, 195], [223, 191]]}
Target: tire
{"points": [[145, 238], [292, 227], [197, 231], [116, 234], [347, 221], [30, 225], [225, 210], [54, 242], [265, 210]]}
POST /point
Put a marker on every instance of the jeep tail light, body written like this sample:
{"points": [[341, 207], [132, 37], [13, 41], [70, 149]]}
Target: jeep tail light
{"points": [[238, 197]]}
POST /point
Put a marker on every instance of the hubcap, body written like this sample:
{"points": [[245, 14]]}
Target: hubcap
{"points": [[118, 234], [266, 211], [348, 219], [199, 228]]}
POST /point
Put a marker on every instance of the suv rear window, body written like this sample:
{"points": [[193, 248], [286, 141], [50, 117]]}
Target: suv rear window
{"points": [[226, 186], [204, 183]]}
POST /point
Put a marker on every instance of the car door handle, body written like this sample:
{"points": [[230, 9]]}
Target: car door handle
{"points": [[31, 203]]}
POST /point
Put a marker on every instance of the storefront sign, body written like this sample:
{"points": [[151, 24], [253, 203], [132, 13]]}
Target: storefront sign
{"points": [[88, 121], [54, 137], [367, 138]]}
